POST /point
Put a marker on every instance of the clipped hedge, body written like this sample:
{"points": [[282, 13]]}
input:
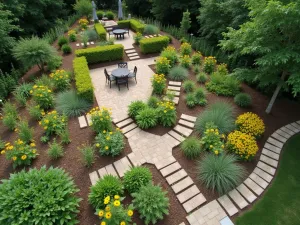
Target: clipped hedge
{"points": [[124, 23], [137, 26], [83, 80], [100, 31], [101, 53], [153, 45]]}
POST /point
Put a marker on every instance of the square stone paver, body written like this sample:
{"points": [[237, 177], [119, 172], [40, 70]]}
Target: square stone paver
{"points": [[176, 176], [94, 177], [267, 177], [186, 123], [253, 186], [246, 193], [176, 135], [82, 122], [268, 160], [176, 100], [228, 205], [266, 168], [270, 154], [183, 130], [188, 193], [181, 185], [170, 169], [188, 118], [194, 202], [257, 179], [237, 198]]}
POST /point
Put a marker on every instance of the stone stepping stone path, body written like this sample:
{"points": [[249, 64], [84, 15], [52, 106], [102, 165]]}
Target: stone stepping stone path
{"points": [[82, 122], [132, 54], [228, 205], [174, 87], [82, 44]]}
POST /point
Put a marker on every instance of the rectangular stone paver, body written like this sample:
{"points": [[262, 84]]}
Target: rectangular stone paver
{"points": [[111, 170], [183, 130], [275, 142], [270, 154], [124, 123], [102, 172], [94, 177], [188, 118], [176, 176], [129, 128], [132, 132], [268, 160], [237, 198], [292, 128], [253, 186], [287, 130], [186, 182], [246, 193], [176, 136], [194, 202], [188, 193], [283, 134], [172, 142], [175, 83], [82, 122], [89, 119], [272, 148], [170, 169], [266, 168], [228, 205], [173, 88], [279, 137], [134, 57], [175, 93], [165, 162], [267, 177], [120, 118], [186, 123], [130, 51], [176, 100], [132, 54], [296, 125], [226, 221], [257, 179], [121, 167]]}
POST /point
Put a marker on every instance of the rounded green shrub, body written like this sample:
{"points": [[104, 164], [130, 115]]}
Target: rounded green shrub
{"points": [[220, 173], [152, 203], [39, 196], [196, 69], [135, 107], [191, 147], [100, 14], [190, 100], [110, 15], [107, 186], [135, 178], [201, 78], [92, 34], [200, 96], [151, 29], [147, 118], [189, 86], [178, 73], [153, 102], [66, 49], [243, 100], [62, 41]]}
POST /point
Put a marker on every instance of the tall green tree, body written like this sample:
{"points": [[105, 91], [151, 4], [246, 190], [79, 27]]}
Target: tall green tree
{"points": [[185, 23], [84, 8], [139, 7], [272, 35], [216, 15]]}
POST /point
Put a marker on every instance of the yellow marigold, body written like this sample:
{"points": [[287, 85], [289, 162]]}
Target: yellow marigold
{"points": [[106, 147], [116, 197], [250, 123], [129, 212], [122, 223], [2, 152], [101, 213], [103, 223], [108, 215], [14, 158], [117, 203], [23, 157]]}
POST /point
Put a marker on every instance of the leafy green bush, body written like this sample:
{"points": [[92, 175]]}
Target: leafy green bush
{"points": [[9, 109], [178, 73], [201, 78], [70, 104], [185, 61], [62, 41], [171, 54], [147, 118], [135, 107], [243, 100], [166, 112], [43, 96], [83, 80], [45, 80], [107, 186], [101, 53], [124, 23], [152, 203], [210, 63], [189, 86], [39, 186], [151, 29], [110, 15], [185, 49], [25, 132], [162, 65], [222, 69], [137, 26], [153, 102], [212, 140], [153, 45], [137, 38], [110, 143], [88, 155], [55, 150], [66, 49], [101, 119], [10, 115], [190, 100], [54, 62], [196, 58], [100, 31], [53, 123], [200, 96], [219, 113], [35, 111], [22, 93], [136, 177], [191, 147], [220, 173], [223, 85], [100, 14]]}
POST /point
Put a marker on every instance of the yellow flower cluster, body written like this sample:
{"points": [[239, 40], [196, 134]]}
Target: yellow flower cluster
{"points": [[167, 106], [244, 145], [83, 22], [59, 75], [158, 83], [222, 69], [209, 64], [185, 61], [158, 78], [42, 96], [213, 141], [100, 112], [170, 49], [251, 124], [185, 49], [61, 79], [71, 32], [53, 123]]}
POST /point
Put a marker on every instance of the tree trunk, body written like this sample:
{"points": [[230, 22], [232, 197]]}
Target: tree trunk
{"points": [[276, 92]]}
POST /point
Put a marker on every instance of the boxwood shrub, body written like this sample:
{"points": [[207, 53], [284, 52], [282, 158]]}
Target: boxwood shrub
{"points": [[137, 26], [153, 45], [101, 53], [100, 31], [124, 23], [83, 80]]}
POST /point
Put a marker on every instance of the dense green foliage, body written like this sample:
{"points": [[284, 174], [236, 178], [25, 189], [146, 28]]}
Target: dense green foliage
{"points": [[191, 147], [39, 186], [153, 45], [135, 107], [178, 73], [136, 177], [225, 85], [124, 23], [84, 8], [189, 86], [100, 31], [185, 23], [243, 100], [151, 29], [147, 118], [137, 26], [153, 102]]}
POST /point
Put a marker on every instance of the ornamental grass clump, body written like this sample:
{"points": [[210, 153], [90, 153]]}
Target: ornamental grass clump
{"points": [[101, 119], [171, 54], [45, 197], [196, 58], [185, 61], [166, 112], [151, 29], [189, 86], [53, 123], [200, 96], [35, 111], [136, 177], [114, 212], [201, 78], [152, 203], [87, 155], [185, 49], [43, 96], [153, 102], [20, 153], [55, 150], [108, 185], [191, 147], [61, 79], [159, 83], [22, 93], [241, 144], [212, 140], [25, 132], [210, 63], [135, 107], [147, 118], [110, 142], [220, 173], [178, 73], [162, 65], [243, 100], [250, 123], [190, 100], [10, 115]]}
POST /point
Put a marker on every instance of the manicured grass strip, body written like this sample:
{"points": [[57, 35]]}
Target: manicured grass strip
{"points": [[281, 203]]}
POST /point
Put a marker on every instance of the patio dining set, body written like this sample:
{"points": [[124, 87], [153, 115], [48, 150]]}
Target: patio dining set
{"points": [[120, 75], [119, 33]]}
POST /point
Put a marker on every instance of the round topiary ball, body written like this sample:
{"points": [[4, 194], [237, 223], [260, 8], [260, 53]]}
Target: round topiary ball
{"points": [[243, 100]]}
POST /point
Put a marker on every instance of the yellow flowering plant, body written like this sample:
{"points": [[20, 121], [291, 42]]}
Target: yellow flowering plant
{"points": [[222, 69], [61, 79], [212, 140], [210, 63], [171, 54], [162, 65], [243, 145], [159, 83], [83, 23], [101, 119], [185, 61], [20, 153], [43, 96], [250, 123], [72, 35], [115, 213], [196, 58], [110, 142], [53, 123], [166, 112], [185, 49]]}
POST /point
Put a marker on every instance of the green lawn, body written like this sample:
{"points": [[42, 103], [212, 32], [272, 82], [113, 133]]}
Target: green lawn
{"points": [[281, 203]]}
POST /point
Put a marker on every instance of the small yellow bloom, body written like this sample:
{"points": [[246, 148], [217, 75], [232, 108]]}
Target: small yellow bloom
{"points": [[106, 147], [24, 157], [32, 145], [216, 152], [34, 151], [122, 223], [211, 146], [103, 223], [14, 158], [108, 138], [129, 212], [2, 152], [117, 203], [104, 131], [108, 215], [101, 213], [117, 197]]}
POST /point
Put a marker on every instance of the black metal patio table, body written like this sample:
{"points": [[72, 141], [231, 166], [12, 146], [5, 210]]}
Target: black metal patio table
{"points": [[119, 33], [120, 72]]}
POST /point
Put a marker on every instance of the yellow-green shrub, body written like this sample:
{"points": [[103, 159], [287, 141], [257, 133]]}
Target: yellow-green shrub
{"points": [[100, 31], [61, 79], [124, 23], [158, 83], [43, 96], [153, 45], [137, 26]]}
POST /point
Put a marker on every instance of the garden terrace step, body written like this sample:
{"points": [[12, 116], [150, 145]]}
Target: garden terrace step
{"points": [[77, 45], [132, 54], [129, 128], [176, 93], [170, 169], [130, 51], [173, 88], [186, 123], [111, 170], [151, 36], [82, 122], [226, 221], [183, 130], [263, 174], [165, 162], [296, 125], [193, 203], [119, 119], [176, 176], [246, 193], [266, 168], [238, 199], [176, 136], [146, 36], [124, 123], [253, 186], [270, 154], [174, 83], [188, 193], [279, 137], [132, 132], [272, 148], [188, 118], [94, 177], [122, 166], [257, 179], [183, 184], [228, 205], [268, 160], [134, 57], [172, 142]]}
